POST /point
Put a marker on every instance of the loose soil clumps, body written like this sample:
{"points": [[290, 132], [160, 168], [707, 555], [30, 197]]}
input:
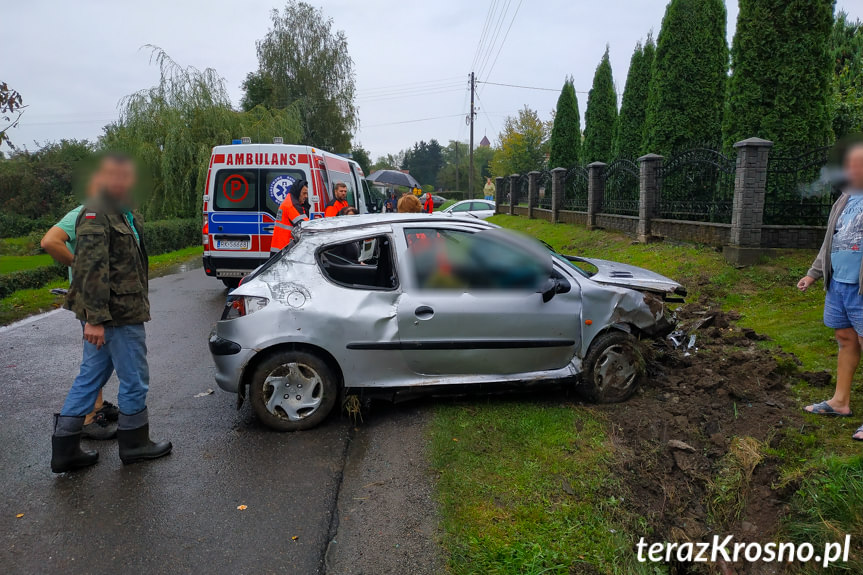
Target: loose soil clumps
{"points": [[696, 443]]}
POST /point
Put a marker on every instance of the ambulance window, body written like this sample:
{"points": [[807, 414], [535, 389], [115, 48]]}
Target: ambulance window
{"points": [[276, 184], [236, 190], [347, 180]]}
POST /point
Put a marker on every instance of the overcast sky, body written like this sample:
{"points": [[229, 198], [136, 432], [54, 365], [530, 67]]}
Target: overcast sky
{"points": [[73, 61]]}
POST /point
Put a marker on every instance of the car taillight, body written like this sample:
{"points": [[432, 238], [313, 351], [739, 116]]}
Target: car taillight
{"points": [[239, 306]]}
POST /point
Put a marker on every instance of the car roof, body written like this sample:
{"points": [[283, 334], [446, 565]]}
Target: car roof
{"points": [[339, 223]]}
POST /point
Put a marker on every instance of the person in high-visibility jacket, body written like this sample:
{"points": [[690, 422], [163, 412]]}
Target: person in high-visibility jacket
{"points": [[428, 207], [340, 200], [294, 209]]}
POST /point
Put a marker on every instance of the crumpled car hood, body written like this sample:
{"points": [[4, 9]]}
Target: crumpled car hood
{"points": [[634, 277]]}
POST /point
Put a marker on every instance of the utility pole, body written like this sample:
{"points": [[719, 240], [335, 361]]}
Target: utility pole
{"points": [[456, 166], [472, 114]]}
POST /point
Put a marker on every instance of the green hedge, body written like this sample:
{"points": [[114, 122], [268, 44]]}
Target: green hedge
{"points": [[14, 225], [30, 279], [164, 236], [161, 236]]}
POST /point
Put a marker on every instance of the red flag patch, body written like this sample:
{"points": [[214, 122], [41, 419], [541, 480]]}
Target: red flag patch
{"points": [[90, 215]]}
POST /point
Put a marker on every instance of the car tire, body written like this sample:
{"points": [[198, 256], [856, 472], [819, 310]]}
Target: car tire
{"points": [[613, 367], [231, 283], [306, 384]]}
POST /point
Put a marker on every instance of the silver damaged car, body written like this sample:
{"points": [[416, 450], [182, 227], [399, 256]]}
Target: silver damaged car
{"points": [[392, 304]]}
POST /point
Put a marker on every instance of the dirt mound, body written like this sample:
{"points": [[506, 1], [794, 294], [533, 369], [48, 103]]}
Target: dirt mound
{"points": [[695, 441]]}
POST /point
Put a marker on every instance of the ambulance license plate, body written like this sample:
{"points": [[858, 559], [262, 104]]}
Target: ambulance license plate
{"points": [[233, 244]]}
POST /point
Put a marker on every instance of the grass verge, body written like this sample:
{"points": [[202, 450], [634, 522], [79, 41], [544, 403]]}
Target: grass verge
{"points": [[499, 484], [27, 302], [9, 264]]}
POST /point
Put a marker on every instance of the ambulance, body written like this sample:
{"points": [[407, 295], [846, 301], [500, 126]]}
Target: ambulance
{"points": [[247, 182]]}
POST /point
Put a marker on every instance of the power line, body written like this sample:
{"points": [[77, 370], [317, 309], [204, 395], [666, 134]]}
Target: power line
{"points": [[530, 87], [482, 36], [505, 36], [413, 94], [412, 121], [523, 87], [484, 60], [410, 84]]}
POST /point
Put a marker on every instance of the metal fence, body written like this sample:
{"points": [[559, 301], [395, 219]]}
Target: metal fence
{"points": [[575, 189], [795, 193], [698, 185], [543, 190], [621, 188], [521, 189]]}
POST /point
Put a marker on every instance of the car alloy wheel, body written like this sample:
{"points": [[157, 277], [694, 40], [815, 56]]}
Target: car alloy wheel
{"points": [[615, 372], [613, 367], [294, 391]]}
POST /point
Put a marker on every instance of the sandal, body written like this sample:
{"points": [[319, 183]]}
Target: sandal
{"points": [[859, 430], [824, 408]]}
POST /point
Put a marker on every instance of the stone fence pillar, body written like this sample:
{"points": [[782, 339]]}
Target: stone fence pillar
{"points": [[499, 194], [747, 213], [557, 193], [595, 192], [532, 192], [513, 193], [648, 193]]}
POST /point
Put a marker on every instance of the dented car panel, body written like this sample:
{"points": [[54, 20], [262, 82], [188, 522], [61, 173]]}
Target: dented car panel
{"points": [[628, 276], [403, 335]]}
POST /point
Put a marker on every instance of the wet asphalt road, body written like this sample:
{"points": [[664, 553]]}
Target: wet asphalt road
{"points": [[177, 514]]}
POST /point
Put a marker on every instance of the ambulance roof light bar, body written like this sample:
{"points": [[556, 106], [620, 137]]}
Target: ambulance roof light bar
{"points": [[235, 141], [247, 140], [278, 140]]}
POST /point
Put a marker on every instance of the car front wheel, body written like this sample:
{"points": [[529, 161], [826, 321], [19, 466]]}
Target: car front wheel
{"points": [[292, 390], [613, 367]]}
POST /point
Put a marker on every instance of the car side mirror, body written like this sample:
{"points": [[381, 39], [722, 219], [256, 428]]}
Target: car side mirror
{"points": [[549, 289]]}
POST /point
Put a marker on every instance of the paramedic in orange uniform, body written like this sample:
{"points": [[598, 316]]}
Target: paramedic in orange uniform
{"points": [[429, 205], [294, 209], [340, 200]]}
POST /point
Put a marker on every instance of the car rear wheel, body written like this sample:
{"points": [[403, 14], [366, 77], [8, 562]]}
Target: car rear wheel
{"points": [[292, 390], [613, 367]]}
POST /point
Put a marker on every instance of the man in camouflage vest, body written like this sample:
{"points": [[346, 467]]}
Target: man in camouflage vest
{"points": [[109, 295]]}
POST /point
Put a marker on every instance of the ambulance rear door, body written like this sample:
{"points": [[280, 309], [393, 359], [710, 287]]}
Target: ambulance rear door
{"points": [[276, 181]]}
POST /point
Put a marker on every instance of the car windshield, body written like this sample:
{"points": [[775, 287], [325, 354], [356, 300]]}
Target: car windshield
{"points": [[564, 260]]}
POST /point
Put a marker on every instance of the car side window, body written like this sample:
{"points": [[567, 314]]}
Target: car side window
{"points": [[456, 260], [465, 207], [476, 206], [365, 263]]}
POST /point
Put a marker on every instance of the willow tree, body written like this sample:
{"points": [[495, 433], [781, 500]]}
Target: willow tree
{"points": [[600, 116], [172, 127], [633, 107]]}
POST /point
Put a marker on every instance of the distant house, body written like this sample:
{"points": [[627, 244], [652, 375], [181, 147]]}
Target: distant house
{"points": [[484, 143]]}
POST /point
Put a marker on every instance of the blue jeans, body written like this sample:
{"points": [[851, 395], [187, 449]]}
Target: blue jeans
{"points": [[125, 351]]}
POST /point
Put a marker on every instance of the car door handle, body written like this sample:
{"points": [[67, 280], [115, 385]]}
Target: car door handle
{"points": [[424, 312], [268, 229]]}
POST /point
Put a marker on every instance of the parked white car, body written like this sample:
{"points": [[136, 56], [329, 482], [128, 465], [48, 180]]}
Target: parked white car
{"points": [[481, 209]]}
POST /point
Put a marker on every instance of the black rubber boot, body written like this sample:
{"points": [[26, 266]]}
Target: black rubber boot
{"points": [[66, 452], [133, 436]]}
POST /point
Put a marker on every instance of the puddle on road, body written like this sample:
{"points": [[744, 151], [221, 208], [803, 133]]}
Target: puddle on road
{"points": [[194, 263]]}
